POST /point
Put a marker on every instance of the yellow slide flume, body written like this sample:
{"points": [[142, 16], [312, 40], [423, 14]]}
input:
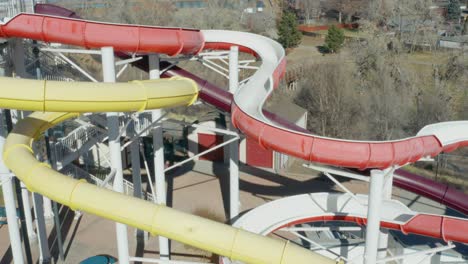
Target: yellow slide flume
{"points": [[71, 98]]}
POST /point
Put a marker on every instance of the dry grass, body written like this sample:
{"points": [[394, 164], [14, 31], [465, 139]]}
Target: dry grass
{"points": [[457, 182], [349, 33], [423, 62]]}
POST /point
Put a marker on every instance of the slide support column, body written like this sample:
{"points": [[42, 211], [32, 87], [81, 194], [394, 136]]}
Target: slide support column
{"points": [[108, 68], [234, 201], [27, 213], [386, 195], [158, 150], [10, 204], [373, 216]]}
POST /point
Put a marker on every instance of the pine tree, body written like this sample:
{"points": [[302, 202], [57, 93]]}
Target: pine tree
{"points": [[335, 39], [453, 10], [289, 34]]}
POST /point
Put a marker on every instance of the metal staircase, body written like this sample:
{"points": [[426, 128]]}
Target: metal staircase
{"points": [[89, 133], [76, 144], [78, 173], [51, 67]]}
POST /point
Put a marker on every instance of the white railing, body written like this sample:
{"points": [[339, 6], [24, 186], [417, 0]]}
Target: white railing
{"points": [[56, 78], [51, 66], [144, 120], [11, 8], [75, 140]]}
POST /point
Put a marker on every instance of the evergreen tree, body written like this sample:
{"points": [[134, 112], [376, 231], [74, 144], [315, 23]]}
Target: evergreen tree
{"points": [[453, 10], [335, 39], [289, 34]]}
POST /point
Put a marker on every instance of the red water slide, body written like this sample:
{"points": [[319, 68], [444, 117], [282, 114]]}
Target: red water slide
{"points": [[173, 41]]}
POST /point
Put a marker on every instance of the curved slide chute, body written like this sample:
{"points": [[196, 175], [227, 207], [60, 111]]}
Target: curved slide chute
{"points": [[222, 99], [248, 117], [53, 96], [90, 34], [247, 108], [79, 97], [324, 207], [344, 207], [431, 189]]}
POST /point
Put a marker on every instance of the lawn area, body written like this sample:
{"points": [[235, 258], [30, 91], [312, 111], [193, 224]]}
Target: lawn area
{"points": [[423, 62], [1, 197], [349, 33], [308, 52]]}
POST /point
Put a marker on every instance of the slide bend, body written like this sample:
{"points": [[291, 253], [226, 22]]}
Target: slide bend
{"points": [[223, 100], [58, 101]]}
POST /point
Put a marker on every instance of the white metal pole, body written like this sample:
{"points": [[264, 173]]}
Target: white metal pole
{"points": [[233, 69], [388, 184], [158, 148], [10, 205], [386, 195], [32, 3], [108, 69], [373, 216], [234, 201], [27, 213]]}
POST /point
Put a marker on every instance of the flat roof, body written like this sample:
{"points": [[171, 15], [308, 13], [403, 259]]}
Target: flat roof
{"points": [[286, 109]]}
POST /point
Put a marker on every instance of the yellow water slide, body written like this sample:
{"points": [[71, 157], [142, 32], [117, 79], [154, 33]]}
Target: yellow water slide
{"points": [[58, 101]]}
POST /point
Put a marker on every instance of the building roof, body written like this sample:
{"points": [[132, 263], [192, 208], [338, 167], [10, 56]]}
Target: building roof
{"points": [[286, 109]]}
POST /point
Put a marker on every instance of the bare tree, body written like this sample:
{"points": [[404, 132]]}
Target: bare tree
{"points": [[213, 16], [346, 8], [311, 8], [263, 23], [158, 13], [387, 92], [330, 98]]}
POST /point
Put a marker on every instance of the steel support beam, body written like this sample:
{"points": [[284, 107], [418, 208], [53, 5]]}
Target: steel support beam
{"points": [[10, 205], [158, 149], [386, 195], [108, 68], [373, 216], [234, 197], [27, 213]]}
